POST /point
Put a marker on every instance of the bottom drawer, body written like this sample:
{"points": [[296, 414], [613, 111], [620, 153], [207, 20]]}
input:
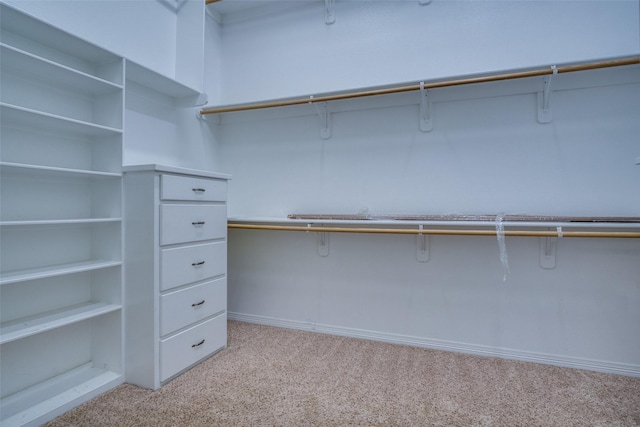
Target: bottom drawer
{"points": [[189, 346]]}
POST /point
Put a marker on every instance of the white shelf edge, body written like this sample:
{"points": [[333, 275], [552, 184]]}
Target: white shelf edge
{"points": [[97, 80], [53, 271], [160, 83], [32, 325], [78, 386], [174, 169], [79, 125], [445, 224], [302, 99], [58, 170]]}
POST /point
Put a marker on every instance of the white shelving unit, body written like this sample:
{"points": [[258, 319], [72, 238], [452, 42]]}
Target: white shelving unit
{"points": [[61, 256], [61, 222]]}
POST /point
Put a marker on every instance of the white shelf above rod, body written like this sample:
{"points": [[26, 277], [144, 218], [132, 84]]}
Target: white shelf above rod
{"points": [[546, 71]]}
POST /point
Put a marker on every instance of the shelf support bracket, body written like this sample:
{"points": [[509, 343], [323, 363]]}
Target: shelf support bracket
{"points": [[329, 12], [544, 110], [426, 123], [215, 120], [323, 243], [325, 118], [547, 248], [422, 246]]}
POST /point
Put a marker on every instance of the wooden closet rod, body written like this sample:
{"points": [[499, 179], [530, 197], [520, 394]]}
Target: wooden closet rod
{"points": [[450, 232], [427, 85], [211, 1]]}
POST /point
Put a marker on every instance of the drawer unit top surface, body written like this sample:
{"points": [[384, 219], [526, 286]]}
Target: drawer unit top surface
{"points": [[160, 168]]}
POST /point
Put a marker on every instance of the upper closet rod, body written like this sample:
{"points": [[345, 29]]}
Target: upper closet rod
{"points": [[211, 1], [426, 85]]}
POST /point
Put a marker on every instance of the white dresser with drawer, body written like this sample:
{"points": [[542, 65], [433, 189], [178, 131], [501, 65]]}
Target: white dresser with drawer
{"points": [[175, 270]]}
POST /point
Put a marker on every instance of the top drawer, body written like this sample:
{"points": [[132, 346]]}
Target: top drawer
{"points": [[173, 187]]}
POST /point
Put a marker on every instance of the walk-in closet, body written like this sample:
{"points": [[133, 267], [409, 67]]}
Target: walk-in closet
{"points": [[450, 175]]}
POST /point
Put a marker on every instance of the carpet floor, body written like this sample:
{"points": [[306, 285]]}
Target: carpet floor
{"points": [[279, 377]]}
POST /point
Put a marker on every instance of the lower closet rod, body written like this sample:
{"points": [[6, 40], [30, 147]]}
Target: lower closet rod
{"points": [[456, 232]]}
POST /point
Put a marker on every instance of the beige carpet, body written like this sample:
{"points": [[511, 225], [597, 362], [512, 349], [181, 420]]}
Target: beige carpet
{"points": [[278, 377]]}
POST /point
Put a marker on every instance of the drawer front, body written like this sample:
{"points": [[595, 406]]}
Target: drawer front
{"points": [[187, 264], [191, 223], [194, 344], [173, 187], [186, 306]]}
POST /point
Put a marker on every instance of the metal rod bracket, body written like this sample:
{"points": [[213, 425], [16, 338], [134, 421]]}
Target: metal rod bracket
{"points": [[325, 118], [544, 110], [323, 243], [329, 12], [547, 248], [206, 118], [426, 123], [422, 246]]}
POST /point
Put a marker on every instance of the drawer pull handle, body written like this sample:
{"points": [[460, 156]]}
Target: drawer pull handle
{"points": [[197, 345], [198, 223], [197, 303], [199, 190], [197, 263]]}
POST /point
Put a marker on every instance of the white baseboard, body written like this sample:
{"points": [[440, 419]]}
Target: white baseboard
{"points": [[526, 356]]}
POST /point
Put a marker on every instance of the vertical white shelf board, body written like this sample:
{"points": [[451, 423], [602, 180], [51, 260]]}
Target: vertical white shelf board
{"points": [[190, 54]]}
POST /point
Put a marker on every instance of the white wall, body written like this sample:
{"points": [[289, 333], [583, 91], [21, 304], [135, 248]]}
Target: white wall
{"points": [[582, 313], [486, 154], [292, 52]]}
